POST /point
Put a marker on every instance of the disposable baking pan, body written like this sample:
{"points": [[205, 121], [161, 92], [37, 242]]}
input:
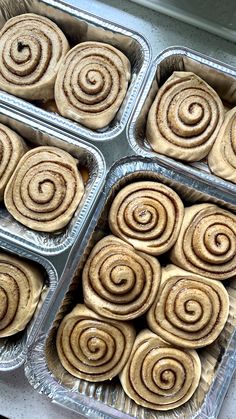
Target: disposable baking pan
{"points": [[88, 157], [13, 349], [80, 26], [218, 75], [108, 400]]}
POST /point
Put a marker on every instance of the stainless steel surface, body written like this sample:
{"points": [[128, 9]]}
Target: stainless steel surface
{"points": [[218, 75], [43, 368], [78, 27], [214, 16], [13, 350], [87, 156]]}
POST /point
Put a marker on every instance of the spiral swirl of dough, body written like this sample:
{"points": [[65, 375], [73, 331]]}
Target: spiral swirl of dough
{"points": [[92, 83], [31, 50], [159, 376], [185, 118], [147, 215], [119, 282], [222, 157], [92, 348], [45, 189], [12, 148], [207, 242], [190, 311], [20, 289]]}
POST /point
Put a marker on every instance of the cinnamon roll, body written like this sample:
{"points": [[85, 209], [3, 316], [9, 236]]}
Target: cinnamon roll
{"points": [[206, 244], [158, 375], [92, 83], [147, 215], [31, 50], [91, 347], [222, 157], [119, 282], [12, 148], [190, 310], [45, 189], [185, 117], [20, 288]]}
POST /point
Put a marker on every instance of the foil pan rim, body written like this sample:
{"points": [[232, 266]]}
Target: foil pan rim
{"points": [[191, 53], [86, 15]]}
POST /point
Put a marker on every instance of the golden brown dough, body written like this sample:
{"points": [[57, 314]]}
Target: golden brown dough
{"points": [[119, 282], [190, 310], [222, 157], [207, 242], [91, 347], [12, 148], [45, 189], [31, 50], [158, 375], [148, 215], [185, 117], [92, 83], [20, 288]]}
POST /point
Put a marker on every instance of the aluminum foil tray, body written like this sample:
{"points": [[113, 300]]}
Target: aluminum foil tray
{"points": [[88, 157], [220, 76], [107, 400], [13, 350], [80, 26]]}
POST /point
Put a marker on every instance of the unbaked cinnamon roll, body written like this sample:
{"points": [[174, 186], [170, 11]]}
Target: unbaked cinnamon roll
{"points": [[206, 244], [119, 282], [91, 347], [185, 117], [45, 189], [92, 83], [20, 288], [31, 50], [190, 310], [147, 215], [12, 148], [158, 375], [222, 157]]}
